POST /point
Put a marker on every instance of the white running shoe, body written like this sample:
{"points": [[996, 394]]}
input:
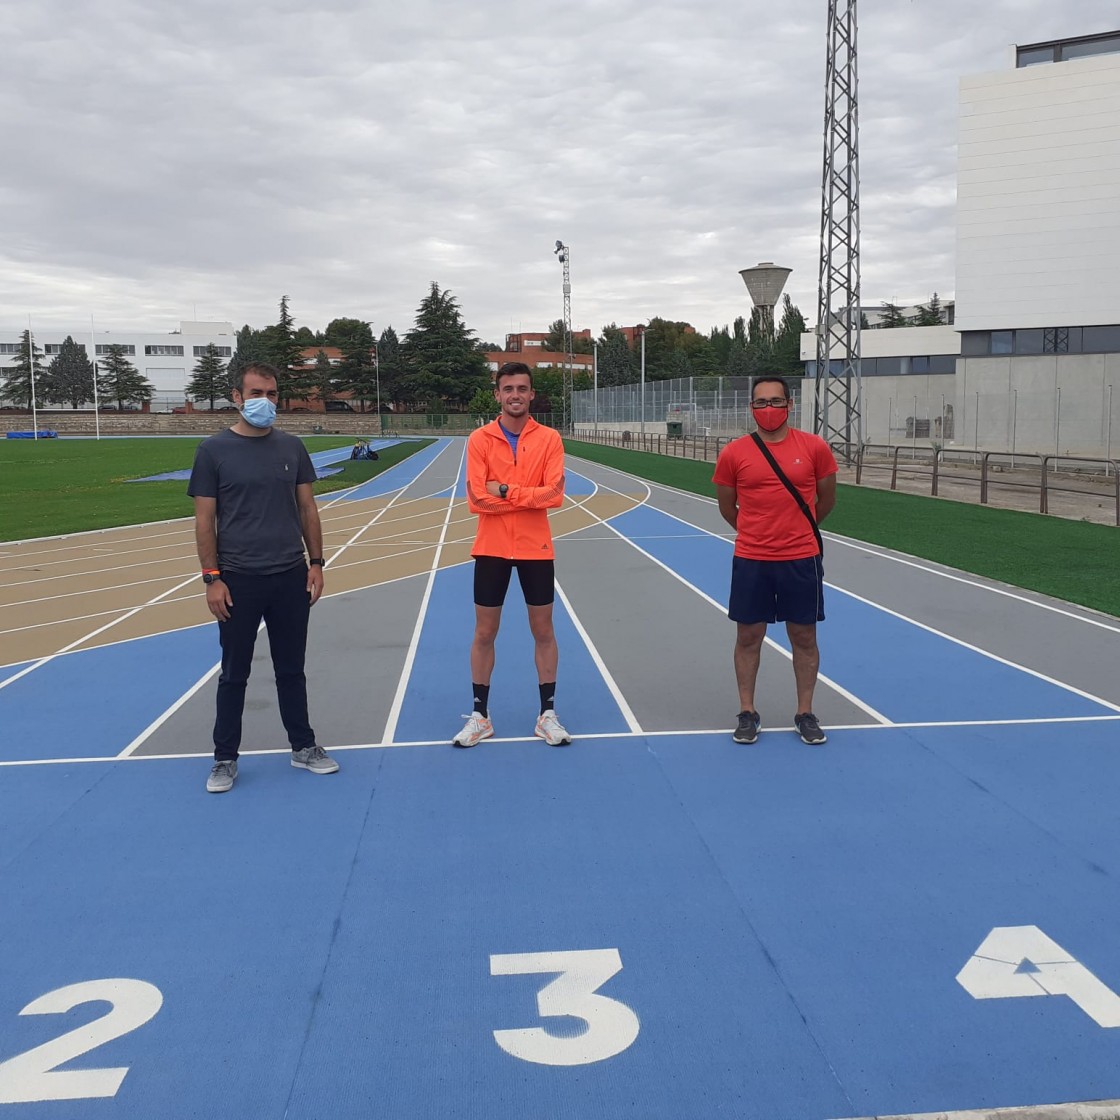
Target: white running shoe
{"points": [[551, 730], [478, 728]]}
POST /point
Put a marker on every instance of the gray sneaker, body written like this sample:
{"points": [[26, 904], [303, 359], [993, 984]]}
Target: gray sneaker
{"points": [[314, 759], [222, 777]]}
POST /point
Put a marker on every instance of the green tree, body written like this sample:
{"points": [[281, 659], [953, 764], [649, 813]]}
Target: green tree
{"points": [[617, 362], [785, 354], [357, 373], [891, 317], [307, 338], [119, 380], [483, 404], [931, 314], [18, 375], [251, 347], [391, 367], [443, 366], [341, 332], [297, 379], [209, 381], [69, 377], [325, 375]]}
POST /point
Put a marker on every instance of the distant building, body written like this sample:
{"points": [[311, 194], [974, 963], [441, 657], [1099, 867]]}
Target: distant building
{"points": [[167, 360], [530, 349]]}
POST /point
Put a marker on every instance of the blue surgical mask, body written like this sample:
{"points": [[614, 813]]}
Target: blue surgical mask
{"points": [[259, 411]]}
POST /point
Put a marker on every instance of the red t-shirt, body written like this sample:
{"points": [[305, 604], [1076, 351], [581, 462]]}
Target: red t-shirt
{"points": [[771, 525]]}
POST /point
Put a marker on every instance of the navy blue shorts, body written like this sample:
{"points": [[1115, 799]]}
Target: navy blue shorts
{"points": [[777, 590]]}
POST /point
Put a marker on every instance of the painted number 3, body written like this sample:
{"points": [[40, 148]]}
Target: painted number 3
{"points": [[611, 1025], [33, 1076]]}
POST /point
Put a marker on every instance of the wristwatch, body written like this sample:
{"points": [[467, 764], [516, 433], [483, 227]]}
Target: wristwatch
{"points": [[317, 560], [503, 490], [211, 577]]}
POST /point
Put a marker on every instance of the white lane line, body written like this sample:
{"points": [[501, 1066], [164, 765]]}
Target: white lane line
{"points": [[94, 633], [599, 736], [166, 715], [885, 554], [414, 642], [838, 688], [976, 649], [600, 664], [939, 633], [160, 720]]}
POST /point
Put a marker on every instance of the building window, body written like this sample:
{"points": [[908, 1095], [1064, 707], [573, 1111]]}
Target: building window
{"points": [[1001, 342], [163, 351], [56, 348], [1063, 50], [10, 347], [1100, 340], [221, 351], [104, 348], [943, 363], [1055, 340]]}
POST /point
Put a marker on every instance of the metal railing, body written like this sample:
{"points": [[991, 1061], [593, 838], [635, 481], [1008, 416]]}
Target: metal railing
{"points": [[1025, 471]]}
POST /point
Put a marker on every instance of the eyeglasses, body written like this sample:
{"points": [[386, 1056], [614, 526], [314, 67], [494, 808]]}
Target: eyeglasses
{"points": [[773, 402]]}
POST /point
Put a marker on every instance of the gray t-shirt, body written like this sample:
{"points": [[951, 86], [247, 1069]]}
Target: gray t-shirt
{"points": [[254, 479]]}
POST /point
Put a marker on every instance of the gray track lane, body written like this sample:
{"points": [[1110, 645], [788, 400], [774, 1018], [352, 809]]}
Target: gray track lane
{"points": [[1066, 642], [668, 649], [356, 649]]}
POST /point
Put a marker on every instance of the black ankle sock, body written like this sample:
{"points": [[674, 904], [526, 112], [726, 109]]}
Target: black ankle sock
{"points": [[481, 699], [548, 696]]}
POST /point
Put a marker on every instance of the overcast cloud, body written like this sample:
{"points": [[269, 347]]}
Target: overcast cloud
{"points": [[166, 161]]}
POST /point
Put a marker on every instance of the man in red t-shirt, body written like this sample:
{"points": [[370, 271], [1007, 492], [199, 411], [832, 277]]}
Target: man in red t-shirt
{"points": [[777, 573]]}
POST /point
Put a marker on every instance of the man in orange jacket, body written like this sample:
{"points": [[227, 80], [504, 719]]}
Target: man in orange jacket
{"points": [[515, 475]]}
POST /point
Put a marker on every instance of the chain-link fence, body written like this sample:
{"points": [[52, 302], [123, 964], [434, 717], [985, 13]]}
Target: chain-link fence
{"points": [[683, 406]]}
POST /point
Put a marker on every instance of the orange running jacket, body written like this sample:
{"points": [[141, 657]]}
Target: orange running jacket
{"points": [[515, 527]]}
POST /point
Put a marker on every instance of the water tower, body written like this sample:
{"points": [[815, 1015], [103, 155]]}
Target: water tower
{"points": [[765, 283]]}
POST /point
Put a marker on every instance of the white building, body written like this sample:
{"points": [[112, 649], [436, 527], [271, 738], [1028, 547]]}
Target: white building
{"points": [[1038, 240], [1038, 281], [167, 360]]}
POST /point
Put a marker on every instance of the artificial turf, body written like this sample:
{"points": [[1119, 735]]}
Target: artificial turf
{"points": [[51, 487], [1072, 560]]}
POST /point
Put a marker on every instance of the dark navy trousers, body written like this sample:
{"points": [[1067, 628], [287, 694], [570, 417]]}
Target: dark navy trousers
{"points": [[283, 603]]}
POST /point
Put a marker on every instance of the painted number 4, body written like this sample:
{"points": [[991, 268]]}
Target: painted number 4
{"points": [[611, 1025], [1022, 961], [33, 1076]]}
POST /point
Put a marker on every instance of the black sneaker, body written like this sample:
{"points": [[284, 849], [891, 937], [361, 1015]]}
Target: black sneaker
{"points": [[809, 728], [747, 729]]}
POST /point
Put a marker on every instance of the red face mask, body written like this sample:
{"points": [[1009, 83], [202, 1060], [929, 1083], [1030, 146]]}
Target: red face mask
{"points": [[770, 419]]}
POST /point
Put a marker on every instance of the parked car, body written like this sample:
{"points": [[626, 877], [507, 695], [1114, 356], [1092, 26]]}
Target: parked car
{"points": [[338, 406]]}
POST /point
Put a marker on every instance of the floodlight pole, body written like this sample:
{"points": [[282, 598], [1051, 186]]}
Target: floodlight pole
{"points": [[96, 401], [565, 254], [377, 379], [595, 390], [31, 367]]}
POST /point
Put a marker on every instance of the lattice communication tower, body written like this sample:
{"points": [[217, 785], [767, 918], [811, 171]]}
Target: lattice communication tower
{"points": [[836, 415]]}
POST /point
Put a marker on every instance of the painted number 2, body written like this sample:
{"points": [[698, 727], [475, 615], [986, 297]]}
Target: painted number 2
{"points": [[611, 1025], [32, 1075]]}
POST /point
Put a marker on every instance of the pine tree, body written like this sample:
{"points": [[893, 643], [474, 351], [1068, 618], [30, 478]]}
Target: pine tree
{"points": [[391, 369], [892, 317], [296, 379], [443, 366], [118, 380], [931, 314], [251, 348], [617, 362], [785, 354], [24, 368], [210, 381], [69, 377]]}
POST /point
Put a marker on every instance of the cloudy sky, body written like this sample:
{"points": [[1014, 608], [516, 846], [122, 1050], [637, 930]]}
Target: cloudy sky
{"points": [[200, 158]]}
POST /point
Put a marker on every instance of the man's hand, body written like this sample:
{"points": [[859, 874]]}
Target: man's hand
{"points": [[494, 489], [315, 582], [219, 600]]}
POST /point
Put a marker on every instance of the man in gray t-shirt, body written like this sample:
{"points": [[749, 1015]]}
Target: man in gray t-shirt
{"points": [[255, 511]]}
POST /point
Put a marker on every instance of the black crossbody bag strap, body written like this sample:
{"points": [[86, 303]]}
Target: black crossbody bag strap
{"points": [[760, 443]]}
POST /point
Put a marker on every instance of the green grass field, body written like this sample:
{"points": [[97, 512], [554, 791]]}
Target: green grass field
{"points": [[48, 487], [1072, 560]]}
